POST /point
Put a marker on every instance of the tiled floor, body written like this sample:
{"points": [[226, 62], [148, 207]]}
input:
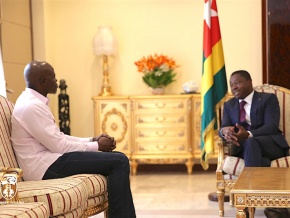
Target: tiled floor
{"points": [[177, 195]]}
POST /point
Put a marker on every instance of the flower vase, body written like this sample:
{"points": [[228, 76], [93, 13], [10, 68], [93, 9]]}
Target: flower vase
{"points": [[157, 91]]}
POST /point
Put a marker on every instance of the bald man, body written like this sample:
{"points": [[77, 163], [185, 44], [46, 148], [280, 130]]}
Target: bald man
{"points": [[44, 152]]}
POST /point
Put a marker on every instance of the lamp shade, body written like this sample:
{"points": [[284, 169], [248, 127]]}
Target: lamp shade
{"points": [[104, 42]]}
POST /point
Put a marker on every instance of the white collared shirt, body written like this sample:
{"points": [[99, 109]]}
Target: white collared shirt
{"points": [[36, 139]]}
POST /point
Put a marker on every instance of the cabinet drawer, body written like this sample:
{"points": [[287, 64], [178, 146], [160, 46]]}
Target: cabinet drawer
{"points": [[155, 105], [161, 133], [163, 147], [161, 119]]}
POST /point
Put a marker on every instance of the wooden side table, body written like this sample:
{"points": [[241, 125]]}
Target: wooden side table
{"points": [[261, 187]]}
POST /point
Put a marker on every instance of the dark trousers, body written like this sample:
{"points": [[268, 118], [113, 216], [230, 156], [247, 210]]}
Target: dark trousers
{"points": [[113, 165], [259, 151]]}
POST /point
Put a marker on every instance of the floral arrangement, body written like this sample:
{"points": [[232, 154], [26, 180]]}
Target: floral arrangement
{"points": [[157, 70]]}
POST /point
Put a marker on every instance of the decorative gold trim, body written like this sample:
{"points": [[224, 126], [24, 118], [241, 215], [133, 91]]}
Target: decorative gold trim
{"points": [[189, 104], [9, 177], [267, 200], [162, 161], [114, 127], [240, 200], [271, 87], [181, 105], [97, 209], [124, 105]]}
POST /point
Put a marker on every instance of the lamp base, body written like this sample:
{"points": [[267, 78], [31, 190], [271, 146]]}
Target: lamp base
{"points": [[106, 91]]}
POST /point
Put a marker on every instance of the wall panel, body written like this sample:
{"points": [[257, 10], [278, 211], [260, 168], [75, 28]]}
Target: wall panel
{"points": [[16, 42]]}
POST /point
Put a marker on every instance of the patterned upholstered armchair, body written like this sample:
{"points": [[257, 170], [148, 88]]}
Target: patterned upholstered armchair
{"points": [[229, 168], [75, 196]]}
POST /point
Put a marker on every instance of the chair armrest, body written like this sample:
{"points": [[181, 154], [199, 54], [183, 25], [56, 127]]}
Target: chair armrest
{"points": [[221, 154], [223, 151]]}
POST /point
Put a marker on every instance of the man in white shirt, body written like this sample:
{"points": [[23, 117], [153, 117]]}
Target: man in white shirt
{"points": [[43, 152]]}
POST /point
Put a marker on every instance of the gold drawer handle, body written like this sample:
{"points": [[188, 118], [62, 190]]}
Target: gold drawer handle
{"points": [[161, 147], [160, 105], [161, 133], [160, 119]]}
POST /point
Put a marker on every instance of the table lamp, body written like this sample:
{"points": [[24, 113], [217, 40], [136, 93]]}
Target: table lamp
{"points": [[105, 45]]}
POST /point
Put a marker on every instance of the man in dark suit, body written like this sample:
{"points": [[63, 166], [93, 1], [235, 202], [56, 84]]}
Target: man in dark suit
{"points": [[258, 139], [253, 126]]}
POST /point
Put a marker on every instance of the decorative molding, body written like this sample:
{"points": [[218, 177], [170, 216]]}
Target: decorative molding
{"points": [[114, 126]]}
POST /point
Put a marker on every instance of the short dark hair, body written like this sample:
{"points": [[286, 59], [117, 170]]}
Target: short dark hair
{"points": [[243, 73]]}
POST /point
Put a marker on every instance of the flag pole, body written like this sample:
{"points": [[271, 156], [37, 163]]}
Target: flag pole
{"points": [[214, 83]]}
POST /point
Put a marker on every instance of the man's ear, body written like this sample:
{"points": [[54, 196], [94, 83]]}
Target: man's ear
{"points": [[42, 80]]}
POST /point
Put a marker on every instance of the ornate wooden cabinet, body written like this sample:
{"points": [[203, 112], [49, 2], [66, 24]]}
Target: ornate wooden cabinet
{"points": [[162, 130], [155, 129]]}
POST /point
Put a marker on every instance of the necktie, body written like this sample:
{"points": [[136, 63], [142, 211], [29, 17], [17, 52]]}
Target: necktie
{"points": [[243, 115], [242, 112]]}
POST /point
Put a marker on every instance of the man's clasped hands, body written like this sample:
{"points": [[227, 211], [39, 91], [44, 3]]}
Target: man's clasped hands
{"points": [[230, 135], [106, 142]]}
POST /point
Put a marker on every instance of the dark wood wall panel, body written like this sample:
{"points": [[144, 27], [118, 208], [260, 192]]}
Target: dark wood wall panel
{"points": [[276, 42]]}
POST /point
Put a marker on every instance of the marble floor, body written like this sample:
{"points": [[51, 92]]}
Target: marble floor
{"points": [[174, 194]]}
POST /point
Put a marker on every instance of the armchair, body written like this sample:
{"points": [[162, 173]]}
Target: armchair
{"points": [[229, 167], [77, 196]]}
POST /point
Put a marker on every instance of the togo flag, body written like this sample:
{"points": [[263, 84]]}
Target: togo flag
{"points": [[214, 82]]}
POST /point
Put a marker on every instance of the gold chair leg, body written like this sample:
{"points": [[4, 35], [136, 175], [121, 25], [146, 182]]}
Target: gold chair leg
{"points": [[231, 200], [106, 213], [221, 195]]}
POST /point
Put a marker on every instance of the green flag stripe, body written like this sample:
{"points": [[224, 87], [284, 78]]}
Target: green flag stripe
{"points": [[208, 112], [220, 85]]}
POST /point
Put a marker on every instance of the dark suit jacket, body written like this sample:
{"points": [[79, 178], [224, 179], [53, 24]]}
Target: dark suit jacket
{"points": [[265, 116]]}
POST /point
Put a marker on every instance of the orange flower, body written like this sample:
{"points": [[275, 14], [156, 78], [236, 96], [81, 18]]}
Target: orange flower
{"points": [[150, 63], [157, 70]]}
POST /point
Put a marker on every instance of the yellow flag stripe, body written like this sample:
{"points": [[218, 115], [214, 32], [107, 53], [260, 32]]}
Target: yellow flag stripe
{"points": [[218, 57]]}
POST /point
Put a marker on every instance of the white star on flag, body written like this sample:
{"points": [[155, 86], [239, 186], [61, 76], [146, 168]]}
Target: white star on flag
{"points": [[208, 13]]}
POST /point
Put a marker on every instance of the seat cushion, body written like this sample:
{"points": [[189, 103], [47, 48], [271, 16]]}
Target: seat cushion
{"points": [[60, 195], [96, 204], [97, 184], [78, 212], [24, 210], [97, 190], [281, 162], [233, 165]]}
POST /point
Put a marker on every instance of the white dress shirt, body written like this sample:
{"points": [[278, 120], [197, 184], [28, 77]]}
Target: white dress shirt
{"points": [[36, 139]]}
